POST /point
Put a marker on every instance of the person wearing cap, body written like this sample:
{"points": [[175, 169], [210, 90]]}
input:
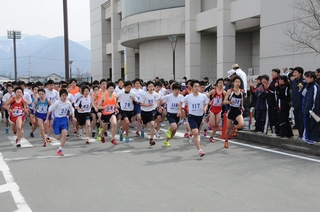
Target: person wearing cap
{"points": [[208, 86], [272, 101]]}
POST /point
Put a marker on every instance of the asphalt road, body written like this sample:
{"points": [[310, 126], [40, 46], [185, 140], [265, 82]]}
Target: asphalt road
{"points": [[136, 177]]}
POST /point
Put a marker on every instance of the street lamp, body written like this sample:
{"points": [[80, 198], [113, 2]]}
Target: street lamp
{"points": [[70, 65], [12, 34], [173, 40]]}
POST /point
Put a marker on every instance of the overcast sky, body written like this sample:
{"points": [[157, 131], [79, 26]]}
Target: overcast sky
{"points": [[45, 17]]}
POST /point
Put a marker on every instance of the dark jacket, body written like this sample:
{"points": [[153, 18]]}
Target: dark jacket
{"points": [[284, 97], [261, 99], [272, 92], [311, 98], [297, 94]]}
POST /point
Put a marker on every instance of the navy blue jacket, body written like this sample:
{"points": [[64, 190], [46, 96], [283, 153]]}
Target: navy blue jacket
{"points": [[261, 101], [311, 99], [296, 93]]}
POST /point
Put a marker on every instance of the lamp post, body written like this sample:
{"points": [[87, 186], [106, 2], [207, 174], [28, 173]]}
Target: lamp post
{"points": [[70, 65], [173, 40], [66, 40], [12, 34]]}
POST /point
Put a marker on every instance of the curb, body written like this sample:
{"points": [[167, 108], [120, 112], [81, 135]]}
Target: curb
{"points": [[284, 143]]}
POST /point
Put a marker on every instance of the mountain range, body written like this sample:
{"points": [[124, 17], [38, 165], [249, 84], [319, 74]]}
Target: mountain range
{"points": [[41, 56]]}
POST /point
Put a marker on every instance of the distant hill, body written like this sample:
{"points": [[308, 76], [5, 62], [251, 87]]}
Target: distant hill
{"points": [[42, 56]]}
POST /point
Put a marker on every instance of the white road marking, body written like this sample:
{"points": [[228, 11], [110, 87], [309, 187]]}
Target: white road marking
{"points": [[24, 142], [270, 150], [12, 187]]}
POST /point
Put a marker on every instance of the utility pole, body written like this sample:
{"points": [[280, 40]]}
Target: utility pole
{"points": [[66, 40]]}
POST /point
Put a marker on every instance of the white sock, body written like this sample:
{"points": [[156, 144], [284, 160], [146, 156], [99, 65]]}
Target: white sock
{"points": [[60, 148]]}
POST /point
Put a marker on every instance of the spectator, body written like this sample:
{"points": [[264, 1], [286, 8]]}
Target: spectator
{"points": [[297, 87], [272, 101], [284, 105], [242, 75], [261, 104], [311, 102], [318, 76], [208, 86]]}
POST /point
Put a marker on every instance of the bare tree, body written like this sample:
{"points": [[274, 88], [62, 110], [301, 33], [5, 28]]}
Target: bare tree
{"points": [[304, 30]]}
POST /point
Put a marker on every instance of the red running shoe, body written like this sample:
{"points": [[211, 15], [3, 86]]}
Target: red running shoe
{"points": [[186, 135], [113, 141], [212, 140], [226, 144], [102, 139], [137, 133], [44, 144], [60, 153]]}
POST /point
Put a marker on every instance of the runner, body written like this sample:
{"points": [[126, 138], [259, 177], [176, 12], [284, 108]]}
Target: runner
{"points": [[52, 95], [197, 105], [94, 110], [17, 108], [108, 105], [61, 109], [83, 105], [5, 98], [41, 106], [32, 114], [217, 96], [149, 102], [126, 99], [234, 98], [172, 101], [137, 91]]}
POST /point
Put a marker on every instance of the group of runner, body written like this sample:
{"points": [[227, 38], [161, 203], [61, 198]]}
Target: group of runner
{"points": [[103, 106]]}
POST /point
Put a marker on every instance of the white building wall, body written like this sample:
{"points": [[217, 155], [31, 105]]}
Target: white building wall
{"points": [[209, 56], [156, 59]]}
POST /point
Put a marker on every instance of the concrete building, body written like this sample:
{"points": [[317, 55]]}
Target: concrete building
{"points": [[129, 38]]}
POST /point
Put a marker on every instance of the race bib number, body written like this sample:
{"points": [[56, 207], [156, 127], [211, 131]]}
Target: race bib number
{"points": [[150, 101], [109, 108], [63, 112], [217, 102], [235, 102], [174, 106], [127, 105], [195, 107], [17, 112]]}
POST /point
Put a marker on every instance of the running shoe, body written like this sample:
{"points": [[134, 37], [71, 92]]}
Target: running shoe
{"points": [[142, 133], [121, 135], [212, 140], [162, 124], [152, 142], [167, 143], [18, 143], [113, 141], [205, 133], [234, 131], [103, 139], [99, 138], [190, 140], [60, 153], [74, 130], [130, 125], [7, 131], [44, 144], [186, 135], [99, 130], [157, 134], [48, 140], [93, 134], [31, 135], [201, 153], [87, 141], [106, 134], [137, 133], [15, 132], [226, 144], [169, 133], [127, 139]]}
